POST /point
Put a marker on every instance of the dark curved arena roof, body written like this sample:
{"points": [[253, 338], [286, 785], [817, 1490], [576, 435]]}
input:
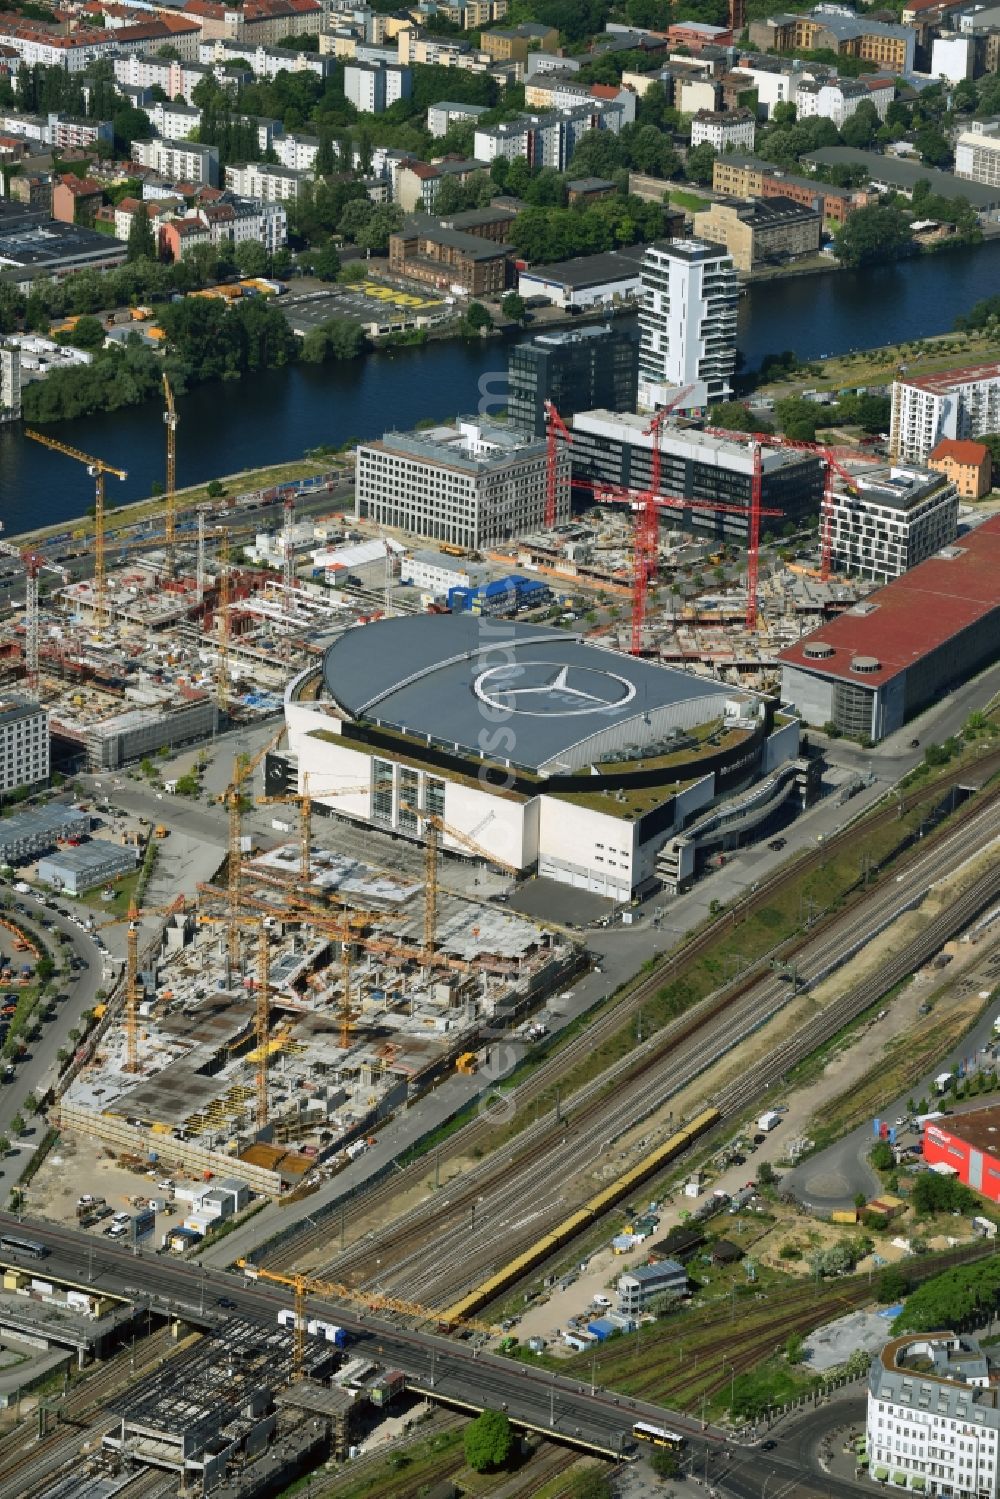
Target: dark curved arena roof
{"points": [[536, 696]]}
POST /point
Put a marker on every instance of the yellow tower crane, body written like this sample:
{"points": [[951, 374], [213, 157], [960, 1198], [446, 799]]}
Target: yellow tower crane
{"points": [[304, 798], [97, 468], [170, 518], [434, 826], [132, 971], [243, 768], [307, 1285], [262, 1013]]}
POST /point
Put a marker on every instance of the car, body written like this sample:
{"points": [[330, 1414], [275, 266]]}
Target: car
{"points": [[914, 744], [227, 1303], [769, 1445], [777, 843]]}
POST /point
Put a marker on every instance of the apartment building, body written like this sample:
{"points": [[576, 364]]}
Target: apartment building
{"points": [[10, 383], [373, 87], [513, 43], [933, 1423], [175, 121], [229, 221], [174, 78], [724, 130], [743, 177], [296, 151], [883, 42], [427, 250], [24, 745], [547, 140], [960, 403], [837, 99], [763, 230], [179, 161], [264, 180], [441, 117], [891, 519], [264, 21], [968, 465], [977, 153], [687, 323], [266, 62], [469, 484]]}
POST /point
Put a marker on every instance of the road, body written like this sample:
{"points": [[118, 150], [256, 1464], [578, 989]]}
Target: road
{"points": [[38, 1072], [447, 1370]]}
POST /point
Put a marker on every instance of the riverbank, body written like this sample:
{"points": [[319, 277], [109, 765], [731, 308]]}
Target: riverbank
{"points": [[861, 369]]}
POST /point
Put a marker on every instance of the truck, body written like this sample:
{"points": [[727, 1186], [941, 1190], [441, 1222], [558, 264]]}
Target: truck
{"points": [[162, 831], [769, 1121], [327, 1331]]}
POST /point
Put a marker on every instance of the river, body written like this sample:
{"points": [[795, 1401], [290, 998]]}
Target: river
{"points": [[275, 417]]}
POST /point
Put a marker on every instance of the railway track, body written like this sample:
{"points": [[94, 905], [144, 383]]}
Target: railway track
{"points": [[447, 1242], [475, 1136]]}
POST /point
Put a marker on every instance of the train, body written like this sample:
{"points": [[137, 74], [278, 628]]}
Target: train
{"points": [[575, 1224]]}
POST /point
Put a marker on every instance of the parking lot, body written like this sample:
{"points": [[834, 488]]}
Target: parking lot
{"points": [[369, 303]]}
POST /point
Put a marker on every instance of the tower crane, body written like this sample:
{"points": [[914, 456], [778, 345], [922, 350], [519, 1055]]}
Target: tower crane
{"points": [[433, 827], [307, 1285], [243, 768], [134, 918], [33, 563], [262, 1010], [304, 800], [222, 627], [97, 468], [170, 422]]}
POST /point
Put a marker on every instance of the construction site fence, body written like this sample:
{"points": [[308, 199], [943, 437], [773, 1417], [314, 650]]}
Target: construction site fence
{"points": [[185, 1155]]}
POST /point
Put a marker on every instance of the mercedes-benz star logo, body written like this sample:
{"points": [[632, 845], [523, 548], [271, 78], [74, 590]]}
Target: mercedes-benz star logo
{"points": [[544, 689]]}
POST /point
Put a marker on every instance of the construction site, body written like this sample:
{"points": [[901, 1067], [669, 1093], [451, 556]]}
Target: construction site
{"points": [[275, 1020]]}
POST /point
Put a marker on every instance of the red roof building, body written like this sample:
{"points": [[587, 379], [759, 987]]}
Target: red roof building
{"points": [[890, 656], [968, 1145], [968, 464]]}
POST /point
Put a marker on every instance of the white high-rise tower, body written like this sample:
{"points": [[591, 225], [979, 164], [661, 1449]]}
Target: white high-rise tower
{"points": [[687, 323]]}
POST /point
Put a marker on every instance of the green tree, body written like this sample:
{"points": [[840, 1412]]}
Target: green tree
{"points": [[699, 163], [873, 234], [477, 318], [251, 258], [141, 243], [513, 307], [214, 489], [892, 1285], [488, 1441], [794, 1345], [89, 334], [881, 1156], [336, 338], [325, 262], [45, 968], [766, 1174], [663, 1464], [17, 1124]]}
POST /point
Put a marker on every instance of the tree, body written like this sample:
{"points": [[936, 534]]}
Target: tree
{"points": [[17, 1124], [873, 234], [591, 1484], [325, 262], [336, 338], [766, 1174], [31, 1104], [881, 1156], [45, 968], [699, 163], [794, 1345], [488, 1441], [357, 215], [214, 489], [664, 1464], [477, 318], [513, 307], [141, 243], [933, 147], [892, 1285], [251, 258], [88, 334]]}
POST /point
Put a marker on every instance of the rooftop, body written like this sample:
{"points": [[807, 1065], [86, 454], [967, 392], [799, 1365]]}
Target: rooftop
{"points": [[947, 381], [434, 679], [980, 1128], [905, 174], [920, 612], [899, 486], [961, 450], [468, 445], [592, 270]]}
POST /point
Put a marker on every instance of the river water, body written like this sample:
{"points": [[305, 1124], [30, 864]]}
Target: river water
{"points": [[275, 417]]}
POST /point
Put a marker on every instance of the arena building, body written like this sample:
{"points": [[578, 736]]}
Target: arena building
{"points": [[552, 754]]}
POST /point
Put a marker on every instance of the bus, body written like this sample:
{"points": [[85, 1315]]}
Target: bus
{"points": [[660, 1436], [23, 1246]]}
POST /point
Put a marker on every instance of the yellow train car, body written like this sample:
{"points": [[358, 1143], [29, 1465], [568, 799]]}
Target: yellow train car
{"points": [[568, 1229]]}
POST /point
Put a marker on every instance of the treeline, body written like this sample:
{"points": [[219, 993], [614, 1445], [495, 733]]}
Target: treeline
{"points": [[959, 1298], [206, 340]]}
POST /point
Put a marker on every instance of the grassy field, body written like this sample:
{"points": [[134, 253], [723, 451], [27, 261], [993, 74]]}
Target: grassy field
{"points": [[691, 201], [879, 366]]}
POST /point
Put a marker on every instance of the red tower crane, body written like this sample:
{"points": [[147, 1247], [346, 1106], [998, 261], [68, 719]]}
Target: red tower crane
{"points": [[831, 458], [555, 428]]}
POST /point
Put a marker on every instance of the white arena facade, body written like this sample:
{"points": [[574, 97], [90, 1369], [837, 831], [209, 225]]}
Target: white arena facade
{"points": [[553, 755]]}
